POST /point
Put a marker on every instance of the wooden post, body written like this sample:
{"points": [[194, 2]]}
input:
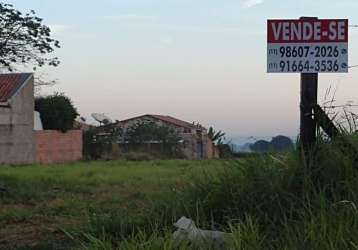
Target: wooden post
{"points": [[308, 129]]}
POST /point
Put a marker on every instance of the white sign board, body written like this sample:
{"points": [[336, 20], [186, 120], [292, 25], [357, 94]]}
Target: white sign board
{"points": [[307, 46]]}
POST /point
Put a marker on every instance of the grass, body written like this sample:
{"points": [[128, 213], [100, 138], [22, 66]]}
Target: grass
{"points": [[42, 202], [271, 201]]}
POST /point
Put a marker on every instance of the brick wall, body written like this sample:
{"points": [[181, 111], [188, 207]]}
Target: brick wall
{"points": [[212, 150], [57, 147]]}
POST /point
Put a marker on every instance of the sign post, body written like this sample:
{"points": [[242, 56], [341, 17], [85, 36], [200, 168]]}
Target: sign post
{"points": [[307, 46], [308, 128]]}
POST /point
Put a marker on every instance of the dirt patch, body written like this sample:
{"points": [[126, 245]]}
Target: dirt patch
{"points": [[5, 207], [35, 233], [21, 234]]}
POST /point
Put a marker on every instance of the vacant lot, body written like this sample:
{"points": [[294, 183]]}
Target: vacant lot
{"points": [[271, 201], [39, 204]]}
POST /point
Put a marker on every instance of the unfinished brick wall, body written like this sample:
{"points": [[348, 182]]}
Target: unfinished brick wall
{"points": [[56, 147], [212, 150]]}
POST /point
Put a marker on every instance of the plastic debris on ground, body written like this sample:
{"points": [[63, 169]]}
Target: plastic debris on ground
{"points": [[188, 233]]}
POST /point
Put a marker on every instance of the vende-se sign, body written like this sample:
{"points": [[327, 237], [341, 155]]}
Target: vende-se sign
{"points": [[307, 46]]}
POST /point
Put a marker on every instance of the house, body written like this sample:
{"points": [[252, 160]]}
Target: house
{"points": [[17, 139], [22, 138], [195, 143]]}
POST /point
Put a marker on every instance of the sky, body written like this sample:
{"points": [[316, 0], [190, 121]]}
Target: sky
{"points": [[197, 60]]}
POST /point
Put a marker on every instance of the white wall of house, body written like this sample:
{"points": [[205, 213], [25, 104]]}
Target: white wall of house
{"points": [[17, 140]]}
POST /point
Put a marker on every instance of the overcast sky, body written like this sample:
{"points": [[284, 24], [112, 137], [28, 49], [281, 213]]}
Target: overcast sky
{"points": [[198, 60]]}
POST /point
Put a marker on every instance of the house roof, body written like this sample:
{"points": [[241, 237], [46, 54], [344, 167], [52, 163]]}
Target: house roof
{"points": [[11, 83], [175, 121], [168, 119]]}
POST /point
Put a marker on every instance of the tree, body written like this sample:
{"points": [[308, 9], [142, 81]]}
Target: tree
{"points": [[99, 142], [24, 39], [216, 137], [281, 143], [42, 80], [143, 132], [277, 144], [261, 146], [149, 132], [56, 111]]}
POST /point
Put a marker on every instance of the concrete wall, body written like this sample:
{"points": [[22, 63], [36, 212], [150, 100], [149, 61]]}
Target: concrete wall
{"points": [[198, 147], [56, 147], [17, 145]]}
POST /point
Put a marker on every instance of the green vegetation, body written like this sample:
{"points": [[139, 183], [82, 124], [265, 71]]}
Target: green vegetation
{"points": [[266, 202], [217, 137], [150, 131], [101, 142], [57, 111], [24, 40], [142, 135], [277, 144], [146, 139], [38, 204]]}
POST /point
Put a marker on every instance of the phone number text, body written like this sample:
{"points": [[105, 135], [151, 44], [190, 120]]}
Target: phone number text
{"points": [[308, 51], [307, 66]]}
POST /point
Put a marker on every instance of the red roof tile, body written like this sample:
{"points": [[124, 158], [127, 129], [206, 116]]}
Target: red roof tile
{"points": [[10, 83]]}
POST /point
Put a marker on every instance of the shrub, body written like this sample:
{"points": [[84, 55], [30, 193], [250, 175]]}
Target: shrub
{"points": [[101, 142], [149, 133], [225, 150], [57, 112]]}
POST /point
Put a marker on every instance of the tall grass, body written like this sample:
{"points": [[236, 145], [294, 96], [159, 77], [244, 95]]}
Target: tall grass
{"points": [[266, 202]]}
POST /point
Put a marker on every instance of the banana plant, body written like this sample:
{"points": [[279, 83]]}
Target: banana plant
{"points": [[217, 137]]}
